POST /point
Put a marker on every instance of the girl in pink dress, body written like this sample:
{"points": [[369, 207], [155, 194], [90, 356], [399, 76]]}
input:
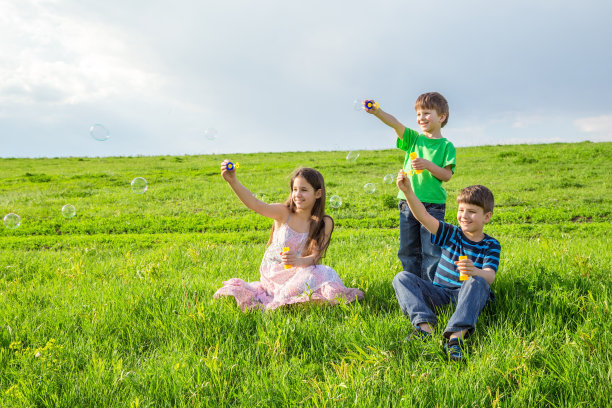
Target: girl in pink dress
{"points": [[300, 224]]}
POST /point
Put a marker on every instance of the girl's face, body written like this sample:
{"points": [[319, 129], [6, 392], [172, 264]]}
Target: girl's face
{"points": [[303, 194]]}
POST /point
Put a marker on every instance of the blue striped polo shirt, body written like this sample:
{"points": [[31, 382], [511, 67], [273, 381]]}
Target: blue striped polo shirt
{"points": [[484, 254]]}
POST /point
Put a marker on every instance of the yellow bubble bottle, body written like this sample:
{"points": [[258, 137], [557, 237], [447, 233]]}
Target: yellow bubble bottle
{"points": [[463, 276], [285, 249], [413, 156]]}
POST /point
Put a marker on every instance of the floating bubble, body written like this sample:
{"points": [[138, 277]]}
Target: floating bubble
{"points": [[388, 179], [210, 133], [139, 185], [369, 188], [352, 156], [335, 201], [12, 221], [358, 104], [68, 211], [99, 132]]}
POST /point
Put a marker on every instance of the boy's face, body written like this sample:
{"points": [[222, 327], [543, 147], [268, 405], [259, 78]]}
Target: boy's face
{"points": [[472, 218], [429, 120]]}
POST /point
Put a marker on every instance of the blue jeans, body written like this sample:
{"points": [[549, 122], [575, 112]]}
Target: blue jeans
{"points": [[416, 252], [417, 299]]}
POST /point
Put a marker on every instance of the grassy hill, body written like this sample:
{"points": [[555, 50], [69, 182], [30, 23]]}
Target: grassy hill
{"points": [[113, 307]]}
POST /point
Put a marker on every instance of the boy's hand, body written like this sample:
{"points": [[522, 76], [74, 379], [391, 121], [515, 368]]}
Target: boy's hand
{"points": [[466, 266], [228, 175], [420, 163], [403, 182], [372, 110]]}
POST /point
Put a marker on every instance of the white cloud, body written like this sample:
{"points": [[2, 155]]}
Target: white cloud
{"points": [[277, 76], [525, 120], [598, 126], [48, 57]]}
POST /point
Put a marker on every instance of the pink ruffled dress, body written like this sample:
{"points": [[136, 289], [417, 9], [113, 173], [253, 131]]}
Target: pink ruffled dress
{"points": [[280, 286]]}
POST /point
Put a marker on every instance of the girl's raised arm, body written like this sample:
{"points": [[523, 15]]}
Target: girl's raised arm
{"points": [[275, 211]]}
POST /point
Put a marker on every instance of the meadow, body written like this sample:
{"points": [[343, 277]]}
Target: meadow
{"points": [[114, 308]]}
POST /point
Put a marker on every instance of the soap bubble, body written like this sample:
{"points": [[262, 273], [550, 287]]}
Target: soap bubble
{"points": [[139, 185], [12, 221], [369, 188], [211, 133], [68, 211], [358, 104], [335, 201], [388, 179], [352, 156], [99, 132]]}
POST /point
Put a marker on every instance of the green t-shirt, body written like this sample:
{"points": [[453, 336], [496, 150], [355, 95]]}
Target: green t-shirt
{"points": [[441, 152]]}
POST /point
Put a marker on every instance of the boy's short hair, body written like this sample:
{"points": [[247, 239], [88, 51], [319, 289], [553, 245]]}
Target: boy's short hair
{"points": [[433, 100], [477, 195]]}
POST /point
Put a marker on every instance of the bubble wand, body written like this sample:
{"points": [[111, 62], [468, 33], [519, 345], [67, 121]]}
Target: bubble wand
{"points": [[369, 104], [231, 166]]}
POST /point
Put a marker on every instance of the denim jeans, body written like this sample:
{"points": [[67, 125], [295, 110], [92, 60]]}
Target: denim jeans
{"points": [[416, 252], [418, 298]]}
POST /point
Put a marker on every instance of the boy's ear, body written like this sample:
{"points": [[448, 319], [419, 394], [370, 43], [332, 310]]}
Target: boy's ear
{"points": [[487, 217]]}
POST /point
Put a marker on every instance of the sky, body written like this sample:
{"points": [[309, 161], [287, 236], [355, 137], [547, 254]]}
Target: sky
{"points": [[275, 76]]}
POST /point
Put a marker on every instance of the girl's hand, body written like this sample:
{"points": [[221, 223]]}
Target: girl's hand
{"points": [[403, 182], [420, 163], [466, 266], [228, 175], [289, 258]]}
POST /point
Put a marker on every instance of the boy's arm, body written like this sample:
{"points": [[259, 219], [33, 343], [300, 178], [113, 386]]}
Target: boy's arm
{"points": [[416, 206], [388, 120], [467, 267], [441, 173]]}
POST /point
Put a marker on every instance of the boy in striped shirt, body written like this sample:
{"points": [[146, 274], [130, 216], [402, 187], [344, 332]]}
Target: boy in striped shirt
{"points": [[467, 268]]}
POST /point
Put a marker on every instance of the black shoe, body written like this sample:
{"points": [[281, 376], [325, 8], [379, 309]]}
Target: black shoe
{"points": [[419, 334], [454, 349]]}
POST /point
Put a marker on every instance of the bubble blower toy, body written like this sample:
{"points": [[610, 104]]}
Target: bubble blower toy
{"points": [[463, 276], [231, 166], [369, 104], [413, 156], [285, 249]]}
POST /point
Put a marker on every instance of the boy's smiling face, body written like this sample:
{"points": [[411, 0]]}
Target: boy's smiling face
{"points": [[429, 120], [472, 220]]}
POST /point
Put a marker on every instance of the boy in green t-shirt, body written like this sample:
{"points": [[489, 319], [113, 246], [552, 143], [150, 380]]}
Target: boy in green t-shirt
{"points": [[430, 160]]}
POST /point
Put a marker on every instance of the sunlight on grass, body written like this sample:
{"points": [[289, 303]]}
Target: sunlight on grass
{"points": [[114, 306]]}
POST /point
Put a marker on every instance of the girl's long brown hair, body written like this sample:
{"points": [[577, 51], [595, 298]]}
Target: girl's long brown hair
{"points": [[316, 241]]}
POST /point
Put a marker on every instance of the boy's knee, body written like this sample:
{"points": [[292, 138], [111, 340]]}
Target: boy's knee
{"points": [[404, 279], [479, 282]]}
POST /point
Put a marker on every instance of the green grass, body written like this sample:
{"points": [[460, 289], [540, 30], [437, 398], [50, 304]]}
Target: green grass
{"points": [[114, 307]]}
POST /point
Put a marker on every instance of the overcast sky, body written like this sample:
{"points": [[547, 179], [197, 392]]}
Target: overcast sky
{"points": [[282, 75]]}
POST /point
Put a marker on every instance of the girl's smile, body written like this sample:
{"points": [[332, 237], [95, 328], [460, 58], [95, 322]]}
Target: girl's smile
{"points": [[303, 194]]}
